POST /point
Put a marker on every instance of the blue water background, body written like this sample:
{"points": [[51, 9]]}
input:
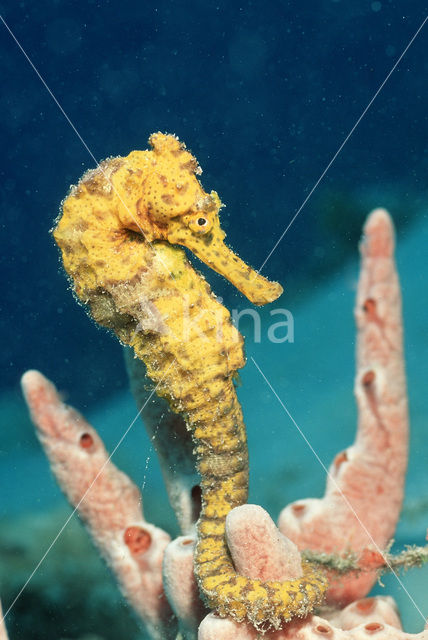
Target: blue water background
{"points": [[264, 94]]}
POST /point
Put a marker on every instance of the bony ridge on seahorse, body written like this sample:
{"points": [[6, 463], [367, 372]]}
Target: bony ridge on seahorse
{"points": [[118, 233]]}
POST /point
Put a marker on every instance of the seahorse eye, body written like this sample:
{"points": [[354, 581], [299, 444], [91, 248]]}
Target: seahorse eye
{"points": [[200, 224]]}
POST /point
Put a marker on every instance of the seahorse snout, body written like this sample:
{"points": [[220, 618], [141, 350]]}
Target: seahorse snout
{"points": [[201, 233]]}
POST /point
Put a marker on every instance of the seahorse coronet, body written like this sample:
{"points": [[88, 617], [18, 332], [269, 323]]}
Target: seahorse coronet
{"points": [[120, 231]]}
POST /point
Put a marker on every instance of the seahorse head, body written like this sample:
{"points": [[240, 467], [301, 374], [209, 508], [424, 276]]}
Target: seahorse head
{"points": [[175, 208]]}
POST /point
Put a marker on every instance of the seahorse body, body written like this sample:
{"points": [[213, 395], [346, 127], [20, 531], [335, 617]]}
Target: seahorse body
{"points": [[118, 233]]}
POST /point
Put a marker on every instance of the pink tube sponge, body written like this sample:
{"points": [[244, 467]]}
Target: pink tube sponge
{"points": [[365, 482]]}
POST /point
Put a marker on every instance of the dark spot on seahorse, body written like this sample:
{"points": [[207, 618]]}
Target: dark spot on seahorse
{"points": [[133, 236], [167, 198], [182, 188], [246, 589], [190, 166]]}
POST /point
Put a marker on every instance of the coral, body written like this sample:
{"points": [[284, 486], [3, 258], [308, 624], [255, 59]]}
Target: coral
{"points": [[108, 502], [358, 527], [111, 507], [354, 514], [118, 234]]}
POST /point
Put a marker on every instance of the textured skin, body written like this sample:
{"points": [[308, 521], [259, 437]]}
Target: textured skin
{"points": [[118, 234]]}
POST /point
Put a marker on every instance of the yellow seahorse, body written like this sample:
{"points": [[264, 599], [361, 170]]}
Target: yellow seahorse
{"points": [[118, 233]]}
